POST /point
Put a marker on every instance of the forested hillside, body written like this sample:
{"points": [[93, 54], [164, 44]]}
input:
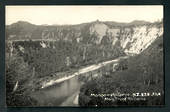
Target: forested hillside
{"points": [[132, 37], [144, 74], [39, 53]]}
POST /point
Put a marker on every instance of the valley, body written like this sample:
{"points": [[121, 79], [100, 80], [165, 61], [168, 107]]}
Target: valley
{"points": [[59, 63]]}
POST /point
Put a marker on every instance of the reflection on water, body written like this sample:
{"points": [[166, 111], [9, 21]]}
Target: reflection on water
{"points": [[55, 95]]}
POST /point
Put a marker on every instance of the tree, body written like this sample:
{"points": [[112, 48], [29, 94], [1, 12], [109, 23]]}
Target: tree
{"points": [[17, 77]]}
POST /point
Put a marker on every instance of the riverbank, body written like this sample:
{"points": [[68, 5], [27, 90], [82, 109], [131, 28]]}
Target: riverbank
{"points": [[81, 71], [72, 100]]}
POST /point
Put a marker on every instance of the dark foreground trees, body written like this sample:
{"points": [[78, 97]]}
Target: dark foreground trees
{"points": [[143, 75], [18, 76]]}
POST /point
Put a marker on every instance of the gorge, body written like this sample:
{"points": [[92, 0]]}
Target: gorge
{"points": [[40, 53]]}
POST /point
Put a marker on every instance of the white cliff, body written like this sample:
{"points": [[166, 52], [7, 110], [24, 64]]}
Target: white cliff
{"points": [[133, 39]]}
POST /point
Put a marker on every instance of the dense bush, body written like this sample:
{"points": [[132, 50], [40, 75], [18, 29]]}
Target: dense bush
{"points": [[55, 56], [17, 71], [29, 63], [143, 75]]}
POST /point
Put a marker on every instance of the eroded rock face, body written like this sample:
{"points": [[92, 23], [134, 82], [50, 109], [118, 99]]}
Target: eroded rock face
{"points": [[133, 39], [141, 38], [100, 30]]}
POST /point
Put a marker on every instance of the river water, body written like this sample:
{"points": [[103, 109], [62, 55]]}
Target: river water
{"points": [[58, 94], [66, 92]]}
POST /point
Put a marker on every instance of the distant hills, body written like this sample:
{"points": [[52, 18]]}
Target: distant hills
{"points": [[130, 36], [23, 29]]}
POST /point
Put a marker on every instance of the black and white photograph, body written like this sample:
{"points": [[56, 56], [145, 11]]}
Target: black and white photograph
{"points": [[84, 55]]}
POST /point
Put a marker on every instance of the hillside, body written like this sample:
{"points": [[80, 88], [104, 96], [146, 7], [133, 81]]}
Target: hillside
{"points": [[144, 74], [132, 37], [40, 53]]}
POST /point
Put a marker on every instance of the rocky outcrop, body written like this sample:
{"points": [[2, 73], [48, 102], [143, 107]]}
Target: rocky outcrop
{"points": [[141, 38], [132, 38]]}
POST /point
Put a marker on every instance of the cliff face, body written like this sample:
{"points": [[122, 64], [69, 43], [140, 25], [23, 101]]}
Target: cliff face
{"points": [[141, 38], [132, 38]]}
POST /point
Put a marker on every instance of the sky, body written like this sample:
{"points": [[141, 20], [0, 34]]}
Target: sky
{"points": [[65, 14]]}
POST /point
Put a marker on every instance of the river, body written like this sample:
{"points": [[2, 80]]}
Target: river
{"points": [[66, 92]]}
